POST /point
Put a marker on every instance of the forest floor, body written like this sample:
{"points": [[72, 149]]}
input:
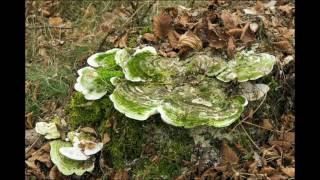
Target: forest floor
{"points": [[61, 35]]}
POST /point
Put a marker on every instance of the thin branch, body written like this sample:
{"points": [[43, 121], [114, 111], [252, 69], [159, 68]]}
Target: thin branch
{"points": [[277, 131], [31, 146], [245, 131], [240, 122]]}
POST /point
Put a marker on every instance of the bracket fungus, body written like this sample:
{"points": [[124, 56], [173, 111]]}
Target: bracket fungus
{"points": [[49, 130], [83, 147], [75, 156], [185, 93], [65, 165]]}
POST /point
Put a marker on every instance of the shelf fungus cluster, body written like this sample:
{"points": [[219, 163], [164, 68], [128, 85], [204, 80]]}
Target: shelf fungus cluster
{"points": [[75, 154], [187, 93]]}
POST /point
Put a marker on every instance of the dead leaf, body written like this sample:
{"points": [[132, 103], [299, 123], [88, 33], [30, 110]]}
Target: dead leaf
{"points": [[55, 21], [171, 54], [149, 37], [288, 9], [173, 38], [280, 143], [183, 20], [28, 120], [290, 171], [231, 47], [121, 42], [42, 155], [89, 130], [161, 25], [267, 124], [106, 138], [284, 46], [229, 20], [229, 155], [246, 35], [278, 177], [189, 39], [121, 175], [210, 173]]}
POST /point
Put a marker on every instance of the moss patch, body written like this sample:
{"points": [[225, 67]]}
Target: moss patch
{"points": [[88, 113]]}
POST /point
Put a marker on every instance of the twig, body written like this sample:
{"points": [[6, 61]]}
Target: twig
{"points": [[40, 27], [264, 98], [31, 146], [261, 127], [250, 138]]}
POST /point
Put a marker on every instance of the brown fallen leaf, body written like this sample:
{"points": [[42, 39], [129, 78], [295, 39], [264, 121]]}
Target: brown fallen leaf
{"points": [[284, 46], [280, 143], [121, 175], [229, 20], [171, 54], [173, 38], [121, 42], [28, 120], [45, 13], [290, 171], [288, 9], [184, 20], [41, 155], [228, 154], [290, 137], [161, 25], [149, 37], [55, 21], [231, 47], [189, 39], [210, 173]]}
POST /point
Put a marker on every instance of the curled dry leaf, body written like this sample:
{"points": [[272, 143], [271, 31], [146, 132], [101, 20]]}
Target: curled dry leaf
{"points": [[173, 38], [267, 124], [149, 37], [189, 39], [161, 25], [230, 21], [42, 155], [236, 33], [184, 20]]}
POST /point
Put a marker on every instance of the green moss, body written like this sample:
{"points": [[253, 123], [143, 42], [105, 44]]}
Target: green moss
{"points": [[126, 141], [164, 169], [88, 113], [133, 41]]}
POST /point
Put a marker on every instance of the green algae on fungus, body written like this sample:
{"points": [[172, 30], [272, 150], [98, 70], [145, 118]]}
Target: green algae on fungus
{"points": [[68, 166], [185, 93], [248, 66]]}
